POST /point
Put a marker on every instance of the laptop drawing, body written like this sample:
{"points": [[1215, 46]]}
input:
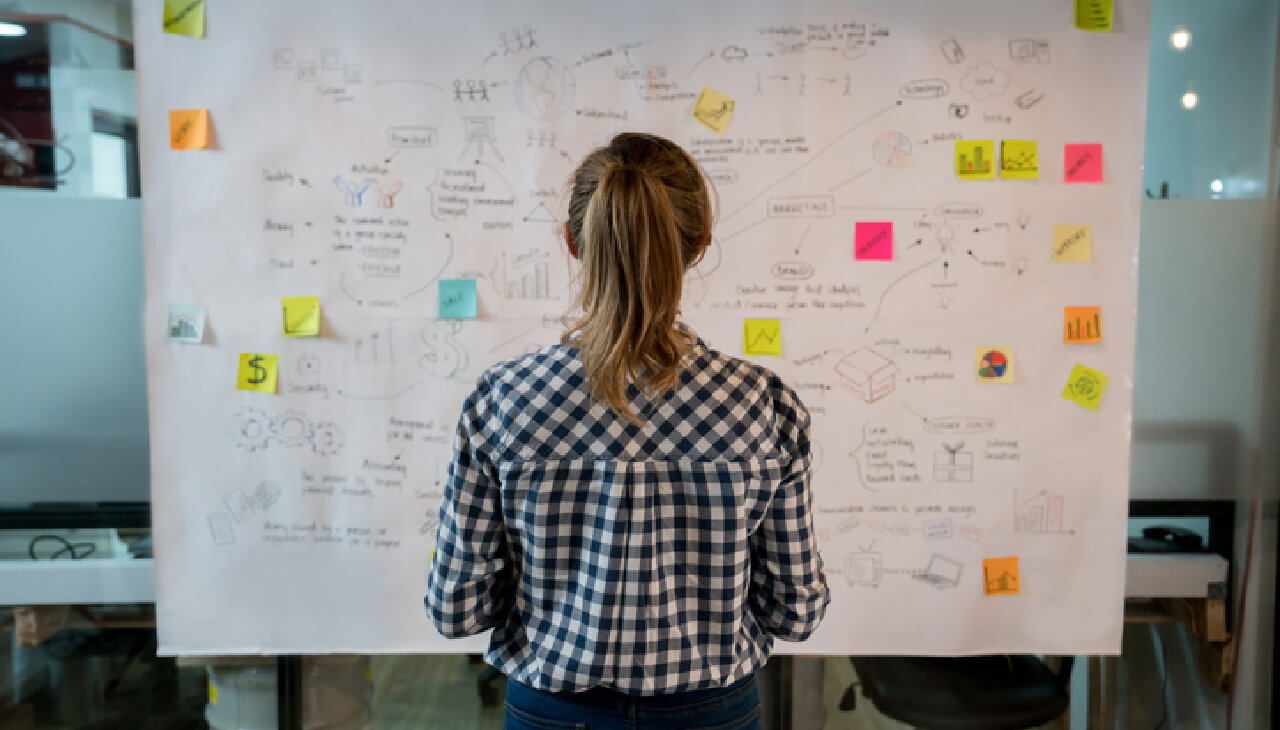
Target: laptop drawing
{"points": [[943, 572]]}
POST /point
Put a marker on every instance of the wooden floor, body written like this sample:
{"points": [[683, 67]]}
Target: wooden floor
{"points": [[441, 692]]}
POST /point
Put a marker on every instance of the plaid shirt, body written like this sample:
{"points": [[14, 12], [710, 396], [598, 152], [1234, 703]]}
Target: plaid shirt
{"points": [[650, 559]]}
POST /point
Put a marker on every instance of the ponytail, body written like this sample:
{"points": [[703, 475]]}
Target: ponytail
{"points": [[640, 216]]}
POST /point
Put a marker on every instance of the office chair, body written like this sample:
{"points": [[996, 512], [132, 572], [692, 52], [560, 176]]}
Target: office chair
{"points": [[1004, 692]]}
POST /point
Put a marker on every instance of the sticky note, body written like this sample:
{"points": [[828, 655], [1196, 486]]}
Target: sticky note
{"points": [[873, 241], [975, 159], [1072, 244], [213, 693], [1085, 387], [186, 323], [713, 109], [762, 336], [1082, 163], [1094, 14], [457, 299], [433, 555], [1081, 325], [993, 364], [257, 372], [1018, 159], [1000, 576], [184, 17], [301, 316], [189, 129]]}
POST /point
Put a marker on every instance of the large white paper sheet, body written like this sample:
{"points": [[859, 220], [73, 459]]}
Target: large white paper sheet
{"points": [[363, 152]]}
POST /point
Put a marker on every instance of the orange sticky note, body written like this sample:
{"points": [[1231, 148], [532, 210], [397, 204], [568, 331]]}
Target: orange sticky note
{"points": [[1000, 576], [189, 129], [1081, 325]]}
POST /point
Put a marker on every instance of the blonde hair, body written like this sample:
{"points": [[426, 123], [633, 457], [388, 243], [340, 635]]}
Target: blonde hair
{"points": [[640, 215]]}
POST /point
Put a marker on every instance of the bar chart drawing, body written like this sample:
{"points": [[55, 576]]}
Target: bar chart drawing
{"points": [[525, 278], [976, 164], [1040, 514], [975, 159], [1082, 325]]}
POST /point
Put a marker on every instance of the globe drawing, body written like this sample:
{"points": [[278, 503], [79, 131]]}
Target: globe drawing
{"points": [[544, 88]]}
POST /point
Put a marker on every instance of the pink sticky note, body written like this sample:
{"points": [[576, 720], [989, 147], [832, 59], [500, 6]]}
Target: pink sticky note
{"points": [[873, 242], [1082, 163]]}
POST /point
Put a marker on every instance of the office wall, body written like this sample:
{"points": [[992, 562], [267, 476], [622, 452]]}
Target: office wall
{"points": [[74, 421], [1203, 308]]}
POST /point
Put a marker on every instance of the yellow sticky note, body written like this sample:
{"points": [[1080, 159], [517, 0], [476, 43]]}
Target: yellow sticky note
{"points": [[213, 693], [1000, 576], [1072, 244], [184, 17], [975, 159], [1094, 14], [189, 129], [433, 555], [1085, 387], [762, 336], [257, 372], [301, 316], [713, 109], [1081, 325], [993, 364], [1018, 159]]}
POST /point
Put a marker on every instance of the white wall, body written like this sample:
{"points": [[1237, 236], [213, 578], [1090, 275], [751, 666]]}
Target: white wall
{"points": [[73, 425]]}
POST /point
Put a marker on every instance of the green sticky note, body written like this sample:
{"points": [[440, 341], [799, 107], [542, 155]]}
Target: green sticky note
{"points": [[1085, 386], [762, 336], [458, 299], [184, 17], [1094, 14], [301, 316]]}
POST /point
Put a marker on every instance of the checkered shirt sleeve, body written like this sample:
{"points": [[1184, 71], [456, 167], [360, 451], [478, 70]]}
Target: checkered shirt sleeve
{"points": [[471, 585], [788, 592]]}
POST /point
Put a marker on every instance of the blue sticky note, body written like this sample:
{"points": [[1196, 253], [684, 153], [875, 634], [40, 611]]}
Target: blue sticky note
{"points": [[457, 299]]}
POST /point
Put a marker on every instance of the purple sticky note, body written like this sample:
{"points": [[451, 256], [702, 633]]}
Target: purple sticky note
{"points": [[873, 241], [1082, 163]]}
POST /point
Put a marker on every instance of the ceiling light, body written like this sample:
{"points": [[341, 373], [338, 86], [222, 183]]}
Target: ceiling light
{"points": [[1189, 100], [1180, 39], [1216, 185], [12, 30]]}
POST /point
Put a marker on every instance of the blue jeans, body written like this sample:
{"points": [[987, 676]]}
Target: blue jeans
{"points": [[736, 707]]}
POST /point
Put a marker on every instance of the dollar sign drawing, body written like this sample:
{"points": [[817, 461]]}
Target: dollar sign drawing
{"points": [[260, 374]]}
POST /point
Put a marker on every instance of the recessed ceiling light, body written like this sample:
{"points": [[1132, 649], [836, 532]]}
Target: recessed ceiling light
{"points": [[1180, 39], [12, 30], [1189, 100], [1216, 185]]}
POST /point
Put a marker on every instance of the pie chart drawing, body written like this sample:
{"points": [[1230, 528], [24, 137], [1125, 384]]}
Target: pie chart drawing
{"points": [[892, 149], [994, 364]]}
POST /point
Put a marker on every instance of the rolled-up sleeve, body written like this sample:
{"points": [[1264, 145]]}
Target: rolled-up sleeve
{"points": [[788, 594], [471, 585]]}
